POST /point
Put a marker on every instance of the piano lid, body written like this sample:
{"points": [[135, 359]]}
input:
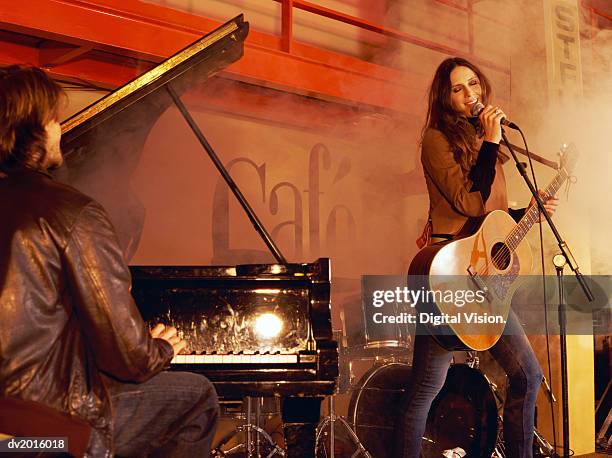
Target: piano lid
{"points": [[102, 144], [192, 65]]}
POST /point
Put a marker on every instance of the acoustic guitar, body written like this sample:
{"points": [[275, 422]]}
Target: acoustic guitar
{"points": [[466, 284]]}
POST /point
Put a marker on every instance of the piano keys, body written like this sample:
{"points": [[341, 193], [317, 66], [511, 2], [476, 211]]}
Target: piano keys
{"points": [[214, 360]]}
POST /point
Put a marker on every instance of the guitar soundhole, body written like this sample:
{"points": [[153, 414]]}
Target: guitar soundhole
{"points": [[501, 256]]}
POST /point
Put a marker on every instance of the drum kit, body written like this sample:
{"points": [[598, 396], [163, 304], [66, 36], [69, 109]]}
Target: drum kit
{"points": [[464, 420]]}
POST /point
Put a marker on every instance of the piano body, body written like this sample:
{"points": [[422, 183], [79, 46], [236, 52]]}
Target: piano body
{"points": [[253, 330]]}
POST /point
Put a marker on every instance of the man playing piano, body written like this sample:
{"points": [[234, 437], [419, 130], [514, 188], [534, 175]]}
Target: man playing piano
{"points": [[71, 337]]}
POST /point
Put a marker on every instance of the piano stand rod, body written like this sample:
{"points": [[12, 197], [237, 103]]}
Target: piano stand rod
{"points": [[261, 230]]}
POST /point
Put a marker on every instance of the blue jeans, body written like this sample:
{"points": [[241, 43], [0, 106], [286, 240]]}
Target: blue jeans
{"points": [[173, 414], [430, 365]]}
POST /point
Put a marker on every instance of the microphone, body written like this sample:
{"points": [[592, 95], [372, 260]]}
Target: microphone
{"points": [[477, 109]]}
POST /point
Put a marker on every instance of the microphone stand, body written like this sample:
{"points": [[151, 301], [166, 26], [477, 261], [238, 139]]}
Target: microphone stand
{"points": [[567, 258], [559, 261]]}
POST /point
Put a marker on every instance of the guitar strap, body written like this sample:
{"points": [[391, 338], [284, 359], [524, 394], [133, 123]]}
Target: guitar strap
{"points": [[425, 237], [443, 236]]}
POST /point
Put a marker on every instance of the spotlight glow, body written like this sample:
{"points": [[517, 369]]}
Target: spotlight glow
{"points": [[268, 326]]}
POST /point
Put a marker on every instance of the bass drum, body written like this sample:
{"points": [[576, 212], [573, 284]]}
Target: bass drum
{"points": [[463, 415], [375, 407]]}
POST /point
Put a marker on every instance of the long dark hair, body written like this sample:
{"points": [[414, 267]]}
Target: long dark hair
{"points": [[29, 99], [441, 116]]}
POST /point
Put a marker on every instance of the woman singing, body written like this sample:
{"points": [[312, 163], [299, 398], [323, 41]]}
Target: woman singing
{"points": [[464, 178]]}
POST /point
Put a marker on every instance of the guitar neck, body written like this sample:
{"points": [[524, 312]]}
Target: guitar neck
{"points": [[532, 215]]}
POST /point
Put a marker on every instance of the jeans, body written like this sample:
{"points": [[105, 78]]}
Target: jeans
{"points": [[173, 414], [430, 365]]}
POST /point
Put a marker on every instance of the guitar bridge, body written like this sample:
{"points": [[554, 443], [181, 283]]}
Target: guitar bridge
{"points": [[478, 282]]}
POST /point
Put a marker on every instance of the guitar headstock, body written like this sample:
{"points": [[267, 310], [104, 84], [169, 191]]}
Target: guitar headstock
{"points": [[568, 157]]}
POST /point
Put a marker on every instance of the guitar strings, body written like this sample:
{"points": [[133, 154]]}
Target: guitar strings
{"points": [[508, 242], [527, 217]]}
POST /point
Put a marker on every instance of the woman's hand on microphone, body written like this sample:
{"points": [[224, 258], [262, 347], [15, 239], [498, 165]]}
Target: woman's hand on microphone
{"points": [[490, 119]]}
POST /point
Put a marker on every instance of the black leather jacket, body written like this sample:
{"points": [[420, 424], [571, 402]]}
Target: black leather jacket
{"points": [[67, 318]]}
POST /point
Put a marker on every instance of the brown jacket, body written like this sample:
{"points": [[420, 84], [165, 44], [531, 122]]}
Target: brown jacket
{"points": [[450, 200], [67, 315]]}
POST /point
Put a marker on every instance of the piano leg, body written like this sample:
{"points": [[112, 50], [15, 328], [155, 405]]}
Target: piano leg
{"points": [[300, 418]]}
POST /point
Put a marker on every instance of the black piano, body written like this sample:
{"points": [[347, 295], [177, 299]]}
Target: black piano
{"points": [[252, 329]]}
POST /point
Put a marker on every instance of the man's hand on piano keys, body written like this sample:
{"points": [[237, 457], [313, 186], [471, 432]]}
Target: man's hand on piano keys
{"points": [[170, 335]]}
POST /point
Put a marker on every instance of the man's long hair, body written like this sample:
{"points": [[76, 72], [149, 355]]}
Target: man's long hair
{"points": [[29, 99], [441, 116]]}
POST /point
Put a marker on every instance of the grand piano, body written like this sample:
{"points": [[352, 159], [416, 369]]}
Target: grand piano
{"points": [[252, 329]]}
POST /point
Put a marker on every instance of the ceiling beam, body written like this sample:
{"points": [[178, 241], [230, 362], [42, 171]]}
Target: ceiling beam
{"points": [[107, 42], [52, 54]]}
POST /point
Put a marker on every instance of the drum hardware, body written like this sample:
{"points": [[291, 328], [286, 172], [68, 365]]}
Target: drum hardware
{"points": [[254, 432], [472, 360], [331, 420], [253, 446], [541, 445], [456, 452], [344, 362], [548, 390]]}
